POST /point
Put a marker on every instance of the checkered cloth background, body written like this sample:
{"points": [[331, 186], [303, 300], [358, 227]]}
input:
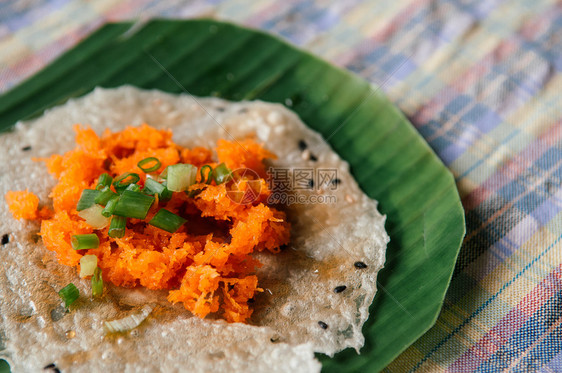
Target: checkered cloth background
{"points": [[481, 81]]}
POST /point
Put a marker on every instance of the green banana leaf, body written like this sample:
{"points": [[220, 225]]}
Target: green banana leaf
{"points": [[389, 159]]}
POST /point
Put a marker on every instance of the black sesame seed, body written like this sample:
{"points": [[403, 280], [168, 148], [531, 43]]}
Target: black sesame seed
{"points": [[313, 158], [339, 289], [302, 145], [310, 184], [220, 108], [336, 181], [274, 340], [360, 265], [323, 325], [5, 239], [52, 367], [26, 148]]}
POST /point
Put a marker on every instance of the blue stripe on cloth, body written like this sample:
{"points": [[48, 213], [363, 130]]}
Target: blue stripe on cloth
{"points": [[514, 188], [542, 353], [546, 211], [477, 8], [555, 364], [458, 104], [451, 153], [482, 117], [549, 157], [530, 202], [399, 67]]}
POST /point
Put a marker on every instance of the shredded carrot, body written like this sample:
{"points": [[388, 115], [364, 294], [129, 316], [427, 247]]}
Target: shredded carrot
{"points": [[24, 205], [207, 264]]}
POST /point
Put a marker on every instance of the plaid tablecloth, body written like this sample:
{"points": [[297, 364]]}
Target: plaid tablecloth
{"points": [[480, 79]]}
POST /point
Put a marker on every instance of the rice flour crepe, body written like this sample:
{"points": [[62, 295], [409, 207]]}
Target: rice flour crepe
{"points": [[317, 290]]}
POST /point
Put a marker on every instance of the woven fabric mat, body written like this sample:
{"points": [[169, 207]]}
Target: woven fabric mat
{"points": [[480, 80]]}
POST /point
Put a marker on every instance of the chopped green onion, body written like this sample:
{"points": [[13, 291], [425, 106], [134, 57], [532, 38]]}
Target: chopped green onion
{"points": [[209, 175], [167, 221], [104, 181], [69, 294], [88, 263], [133, 205], [221, 173], [97, 283], [85, 241], [117, 227], [144, 164], [94, 216], [110, 207], [105, 195], [87, 199], [125, 180], [152, 187], [181, 176], [133, 187]]}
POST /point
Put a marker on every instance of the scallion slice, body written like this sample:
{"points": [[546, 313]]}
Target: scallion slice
{"points": [[133, 187], [109, 207], [88, 263], [152, 187], [209, 174], [97, 283], [167, 192], [94, 216], [117, 227], [87, 199], [167, 221], [104, 181], [133, 205], [85, 241], [181, 176], [105, 195], [123, 181], [221, 173], [69, 294], [149, 164]]}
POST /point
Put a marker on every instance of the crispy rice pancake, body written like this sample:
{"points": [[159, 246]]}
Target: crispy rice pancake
{"points": [[316, 296]]}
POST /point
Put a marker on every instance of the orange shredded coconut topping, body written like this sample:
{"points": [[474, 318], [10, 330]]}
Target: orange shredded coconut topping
{"points": [[206, 264]]}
